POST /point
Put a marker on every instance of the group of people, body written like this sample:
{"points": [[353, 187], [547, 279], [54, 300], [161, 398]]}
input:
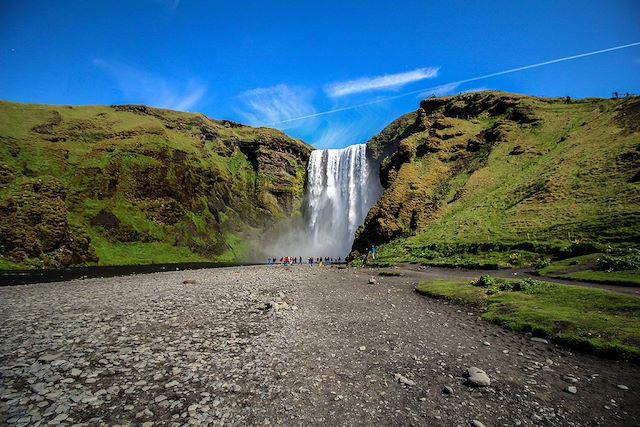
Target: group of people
{"points": [[287, 260]]}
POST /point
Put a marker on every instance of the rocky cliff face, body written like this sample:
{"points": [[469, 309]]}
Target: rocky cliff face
{"points": [[500, 171], [133, 184]]}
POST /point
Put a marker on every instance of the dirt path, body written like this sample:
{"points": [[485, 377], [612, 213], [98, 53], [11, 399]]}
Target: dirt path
{"points": [[423, 273], [273, 345]]}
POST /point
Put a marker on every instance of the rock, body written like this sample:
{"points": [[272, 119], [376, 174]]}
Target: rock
{"points": [[189, 282], [477, 377], [622, 387], [362, 348], [540, 340], [476, 423], [403, 380], [49, 357], [61, 417], [281, 305], [372, 281], [571, 389], [487, 343], [570, 379], [447, 390], [75, 372], [160, 398]]}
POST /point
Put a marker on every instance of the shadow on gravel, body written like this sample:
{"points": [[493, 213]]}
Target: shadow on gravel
{"points": [[23, 277]]}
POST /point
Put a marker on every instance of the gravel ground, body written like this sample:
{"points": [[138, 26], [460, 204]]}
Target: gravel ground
{"points": [[284, 346]]}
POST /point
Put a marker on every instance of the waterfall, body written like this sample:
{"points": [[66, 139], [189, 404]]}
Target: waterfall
{"points": [[342, 186]]}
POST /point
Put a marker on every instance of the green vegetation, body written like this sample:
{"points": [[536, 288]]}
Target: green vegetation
{"points": [[590, 320], [390, 274], [615, 270], [131, 184], [494, 180]]}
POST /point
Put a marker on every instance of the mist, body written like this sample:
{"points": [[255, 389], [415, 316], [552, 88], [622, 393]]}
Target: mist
{"points": [[342, 185]]}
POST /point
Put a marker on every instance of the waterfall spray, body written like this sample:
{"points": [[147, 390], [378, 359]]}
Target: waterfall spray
{"points": [[342, 185], [341, 188]]}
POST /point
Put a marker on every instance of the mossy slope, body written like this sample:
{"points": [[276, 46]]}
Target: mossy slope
{"points": [[133, 184], [503, 180]]}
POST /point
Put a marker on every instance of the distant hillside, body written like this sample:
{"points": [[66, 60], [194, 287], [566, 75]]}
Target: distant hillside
{"points": [[510, 178], [132, 184]]}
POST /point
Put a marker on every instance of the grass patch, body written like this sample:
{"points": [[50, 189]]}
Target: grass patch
{"points": [[590, 320], [622, 278], [137, 253], [8, 265], [598, 268], [390, 274]]}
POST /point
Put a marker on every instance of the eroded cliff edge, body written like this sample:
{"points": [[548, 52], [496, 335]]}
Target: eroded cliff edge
{"points": [[132, 184], [490, 171]]}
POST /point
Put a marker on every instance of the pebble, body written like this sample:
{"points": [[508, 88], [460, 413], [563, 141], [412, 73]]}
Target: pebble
{"points": [[571, 389], [477, 377], [540, 340], [447, 390], [476, 423], [403, 380], [622, 387], [362, 348]]}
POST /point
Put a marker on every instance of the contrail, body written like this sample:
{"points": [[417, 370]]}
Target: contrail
{"points": [[458, 82]]}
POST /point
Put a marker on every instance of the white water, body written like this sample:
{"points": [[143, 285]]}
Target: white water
{"points": [[341, 188]]}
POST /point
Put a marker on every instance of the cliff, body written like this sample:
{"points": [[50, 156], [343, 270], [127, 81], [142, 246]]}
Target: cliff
{"points": [[511, 178], [132, 184]]}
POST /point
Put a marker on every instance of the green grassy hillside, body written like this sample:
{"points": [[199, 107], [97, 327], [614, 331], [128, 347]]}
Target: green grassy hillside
{"points": [[133, 184], [498, 180]]}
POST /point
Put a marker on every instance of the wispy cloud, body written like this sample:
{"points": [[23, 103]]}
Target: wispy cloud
{"points": [[385, 82], [337, 134], [280, 103], [139, 86], [169, 5], [477, 89], [439, 90]]}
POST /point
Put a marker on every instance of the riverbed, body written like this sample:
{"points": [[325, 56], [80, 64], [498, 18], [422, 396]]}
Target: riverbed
{"points": [[300, 345]]}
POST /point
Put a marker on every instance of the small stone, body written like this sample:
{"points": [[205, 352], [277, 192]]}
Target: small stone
{"points": [[540, 340], [189, 282], [160, 398], [61, 417], [403, 380], [372, 281], [570, 379], [171, 384], [49, 357], [622, 387], [362, 348], [571, 389], [447, 390], [487, 343], [477, 377], [75, 372], [476, 423]]}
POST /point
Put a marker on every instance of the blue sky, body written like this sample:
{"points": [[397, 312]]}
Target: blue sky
{"points": [[268, 62]]}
